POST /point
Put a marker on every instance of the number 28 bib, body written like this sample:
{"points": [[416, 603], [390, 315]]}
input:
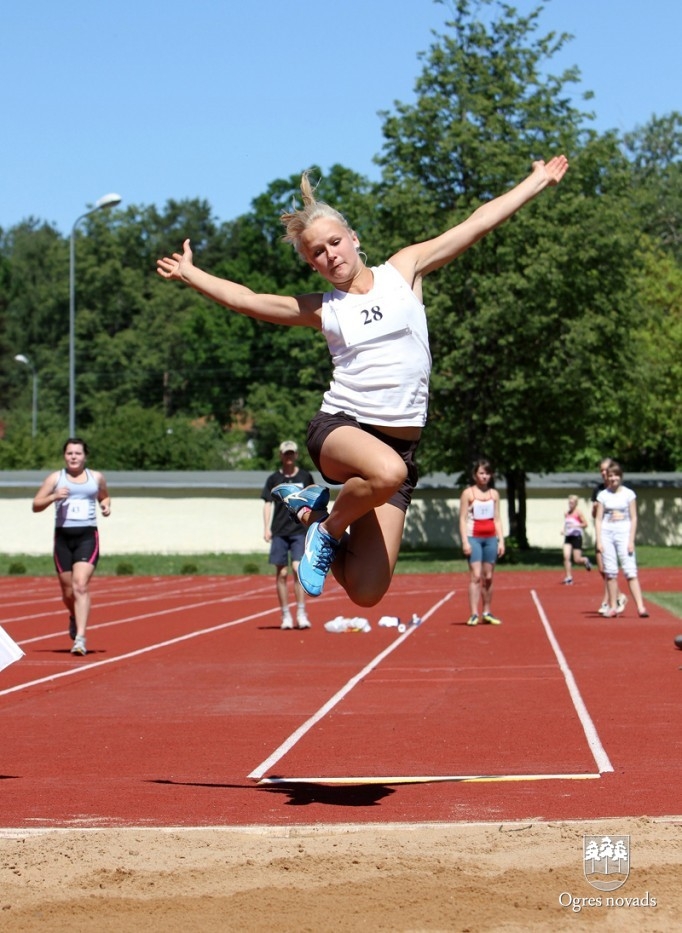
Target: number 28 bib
{"points": [[362, 322]]}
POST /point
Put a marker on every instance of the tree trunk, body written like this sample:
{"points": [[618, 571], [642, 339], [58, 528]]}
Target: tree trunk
{"points": [[516, 506], [166, 394]]}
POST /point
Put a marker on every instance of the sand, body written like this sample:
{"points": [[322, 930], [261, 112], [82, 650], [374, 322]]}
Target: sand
{"points": [[463, 877]]}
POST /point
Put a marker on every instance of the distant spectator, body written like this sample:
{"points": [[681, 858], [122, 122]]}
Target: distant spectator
{"points": [[616, 531], [480, 529], [285, 535], [621, 599], [574, 523]]}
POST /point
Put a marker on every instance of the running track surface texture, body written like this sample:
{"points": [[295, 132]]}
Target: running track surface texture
{"points": [[193, 708]]}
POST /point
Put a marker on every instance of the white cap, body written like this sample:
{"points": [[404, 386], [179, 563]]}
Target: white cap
{"points": [[288, 446]]}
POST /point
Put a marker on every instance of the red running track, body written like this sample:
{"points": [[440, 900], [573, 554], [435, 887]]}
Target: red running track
{"points": [[192, 707]]}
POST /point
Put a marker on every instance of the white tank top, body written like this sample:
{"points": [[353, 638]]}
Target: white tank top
{"points": [[78, 510], [379, 345]]}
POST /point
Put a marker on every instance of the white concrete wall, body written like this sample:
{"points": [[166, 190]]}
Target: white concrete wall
{"points": [[214, 524], [147, 526]]}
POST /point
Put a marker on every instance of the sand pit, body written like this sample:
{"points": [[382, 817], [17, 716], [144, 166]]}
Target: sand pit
{"points": [[464, 877]]}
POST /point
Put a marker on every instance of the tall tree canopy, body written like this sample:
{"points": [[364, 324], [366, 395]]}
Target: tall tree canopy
{"points": [[521, 323], [555, 339]]}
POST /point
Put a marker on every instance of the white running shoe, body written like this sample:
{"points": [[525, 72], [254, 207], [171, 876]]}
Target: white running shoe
{"points": [[303, 620], [621, 603], [287, 622], [79, 646]]}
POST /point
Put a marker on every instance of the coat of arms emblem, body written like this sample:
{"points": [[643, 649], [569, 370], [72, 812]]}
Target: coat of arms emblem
{"points": [[606, 861]]}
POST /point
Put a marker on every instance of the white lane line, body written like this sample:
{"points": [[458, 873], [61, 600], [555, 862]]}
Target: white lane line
{"points": [[87, 667], [431, 779], [151, 615], [593, 740], [289, 743], [125, 600]]}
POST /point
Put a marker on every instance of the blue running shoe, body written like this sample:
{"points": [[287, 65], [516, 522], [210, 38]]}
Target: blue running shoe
{"points": [[295, 498], [320, 551]]}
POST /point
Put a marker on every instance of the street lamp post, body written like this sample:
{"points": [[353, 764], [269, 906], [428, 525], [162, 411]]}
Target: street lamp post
{"points": [[108, 200], [20, 358]]}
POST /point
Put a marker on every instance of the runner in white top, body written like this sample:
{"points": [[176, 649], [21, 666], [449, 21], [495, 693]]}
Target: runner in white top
{"points": [[368, 430], [74, 492]]}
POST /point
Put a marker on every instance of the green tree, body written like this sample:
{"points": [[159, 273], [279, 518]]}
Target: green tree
{"points": [[655, 152], [521, 323], [130, 437], [34, 308], [652, 438], [240, 355]]}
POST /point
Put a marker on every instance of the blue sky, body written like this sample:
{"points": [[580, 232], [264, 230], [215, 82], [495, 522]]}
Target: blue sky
{"points": [[215, 99]]}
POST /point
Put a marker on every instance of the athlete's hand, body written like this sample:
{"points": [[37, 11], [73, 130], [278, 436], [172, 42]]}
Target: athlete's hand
{"points": [[554, 170], [172, 267]]}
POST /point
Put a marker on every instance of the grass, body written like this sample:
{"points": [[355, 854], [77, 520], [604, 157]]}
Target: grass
{"points": [[670, 601], [145, 565], [412, 560]]}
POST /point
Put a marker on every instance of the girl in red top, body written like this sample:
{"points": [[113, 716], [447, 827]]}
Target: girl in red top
{"points": [[480, 529]]}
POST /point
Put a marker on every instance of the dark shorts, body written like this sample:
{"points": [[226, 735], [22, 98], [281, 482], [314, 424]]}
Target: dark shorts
{"points": [[282, 546], [323, 424], [75, 545], [576, 541]]}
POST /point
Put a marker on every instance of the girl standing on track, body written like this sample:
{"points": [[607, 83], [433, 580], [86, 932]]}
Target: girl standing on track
{"points": [[480, 529], [367, 431], [574, 523], [616, 526], [75, 490]]}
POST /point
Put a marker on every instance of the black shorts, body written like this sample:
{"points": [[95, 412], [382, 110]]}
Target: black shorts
{"points": [[576, 541], [324, 423], [75, 545]]}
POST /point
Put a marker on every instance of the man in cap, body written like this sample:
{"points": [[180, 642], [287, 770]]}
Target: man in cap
{"points": [[285, 535]]}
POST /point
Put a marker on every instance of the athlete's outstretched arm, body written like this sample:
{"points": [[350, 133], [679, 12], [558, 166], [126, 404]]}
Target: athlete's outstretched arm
{"points": [[421, 258], [301, 310]]}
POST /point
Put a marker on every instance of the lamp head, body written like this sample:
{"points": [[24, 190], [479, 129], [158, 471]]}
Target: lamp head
{"points": [[20, 358], [108, 200]]}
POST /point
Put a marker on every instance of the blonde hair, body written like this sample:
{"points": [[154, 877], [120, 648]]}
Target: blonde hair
{"points": [[297, 222]]}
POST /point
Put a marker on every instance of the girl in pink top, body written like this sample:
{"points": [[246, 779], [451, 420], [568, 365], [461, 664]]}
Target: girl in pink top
{"points": [[574, 522]]}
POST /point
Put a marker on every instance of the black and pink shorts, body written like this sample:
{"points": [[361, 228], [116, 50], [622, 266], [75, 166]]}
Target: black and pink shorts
{"points": [[75, 545]]}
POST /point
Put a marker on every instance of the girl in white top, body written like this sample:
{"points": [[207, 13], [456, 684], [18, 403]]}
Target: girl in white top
{"points": [[380, 381], [616, 527]]}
